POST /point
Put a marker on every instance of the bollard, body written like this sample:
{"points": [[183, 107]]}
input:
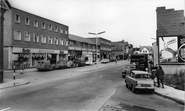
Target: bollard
{"points": [[14, 72]]}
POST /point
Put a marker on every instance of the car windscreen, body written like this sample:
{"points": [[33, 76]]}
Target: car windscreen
{"points": [[146, 76]]}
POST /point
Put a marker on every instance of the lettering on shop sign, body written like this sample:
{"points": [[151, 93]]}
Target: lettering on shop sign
{"points": [[26, 50], [46, 51]]}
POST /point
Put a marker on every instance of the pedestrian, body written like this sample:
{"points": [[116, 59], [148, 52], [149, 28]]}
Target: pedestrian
{"points": [[160, 76], [21, 65], [116, 61]]}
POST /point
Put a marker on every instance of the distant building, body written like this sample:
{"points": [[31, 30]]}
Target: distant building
{"points": [[33, 38], [80, 47], [103, 46], [170, 39], [145, 49]]}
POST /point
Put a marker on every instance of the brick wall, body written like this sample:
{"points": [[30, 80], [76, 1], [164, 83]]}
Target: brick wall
{"points": [[170, 22]]}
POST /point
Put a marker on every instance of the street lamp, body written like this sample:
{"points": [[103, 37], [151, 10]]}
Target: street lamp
{"points": [[96, 44]]}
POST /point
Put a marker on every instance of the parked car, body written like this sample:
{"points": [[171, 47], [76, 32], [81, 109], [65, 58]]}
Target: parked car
{"points": [[45, 65], [61, 64], [139, 80], [105, 60], [127, 70], [79, 62]]}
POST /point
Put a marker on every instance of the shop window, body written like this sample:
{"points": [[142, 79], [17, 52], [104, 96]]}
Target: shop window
{"points": [[17, 18], [17, 35], [27, 21], [27, 36], [36, 23], [35, 37]]}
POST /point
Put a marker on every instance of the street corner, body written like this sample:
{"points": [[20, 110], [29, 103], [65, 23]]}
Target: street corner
{"points": [[13, 83]]}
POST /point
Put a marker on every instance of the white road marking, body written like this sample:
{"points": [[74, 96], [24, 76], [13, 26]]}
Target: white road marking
{"points": [[5, 109]]}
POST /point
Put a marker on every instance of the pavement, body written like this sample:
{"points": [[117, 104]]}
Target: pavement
{"points": [[166, 92]]}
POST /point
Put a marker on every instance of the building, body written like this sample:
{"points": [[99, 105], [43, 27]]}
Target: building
{"points": [[145, 49], [80, 47], [118, 49], [33, 38], [170, 39], [103, 46]]}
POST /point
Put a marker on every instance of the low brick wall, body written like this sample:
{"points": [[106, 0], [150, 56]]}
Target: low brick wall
{"points": [[172, 69]]}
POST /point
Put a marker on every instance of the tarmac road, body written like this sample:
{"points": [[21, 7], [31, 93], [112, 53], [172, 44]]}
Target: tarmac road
{"points": [[86, 91]]}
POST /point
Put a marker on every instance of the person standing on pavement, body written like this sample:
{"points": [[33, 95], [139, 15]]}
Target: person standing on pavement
{"points": [[160, 76]]}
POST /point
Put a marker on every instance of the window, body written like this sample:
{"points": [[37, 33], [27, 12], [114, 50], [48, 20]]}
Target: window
{"points": [[61, 42], [17, 35], [66, 42], [35, 37], [17, 18], [66, 32], [43, 25], [55, 40], [27, 21], [36, 23], [43, 39], [50, 27], [56, 29], [61, 30], [50, 40], [27, 36]]}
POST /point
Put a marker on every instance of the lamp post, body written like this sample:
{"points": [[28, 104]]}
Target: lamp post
{"points": [[96, 43], [4, 5]]}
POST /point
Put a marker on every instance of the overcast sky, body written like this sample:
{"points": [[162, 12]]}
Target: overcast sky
{"points": [[130, 20]]}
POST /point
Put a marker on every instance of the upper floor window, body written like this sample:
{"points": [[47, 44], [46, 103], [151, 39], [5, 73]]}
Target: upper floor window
{"points": [[66, 32], [66, 43], [36, 23], [50, 40], [56, 29], [55, 40], [61, 30], [35, 37], [17, 35], [43, 25], [27, 21], [50, 27], [61, 42], [43, 39], [27, 36], [17, 18]]}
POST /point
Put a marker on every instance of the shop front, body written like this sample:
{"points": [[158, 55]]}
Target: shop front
{"points": [[31, 56]]}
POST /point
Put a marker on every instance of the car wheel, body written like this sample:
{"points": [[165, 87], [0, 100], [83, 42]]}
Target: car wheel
{"points": [[152, 91], [126, 85]]}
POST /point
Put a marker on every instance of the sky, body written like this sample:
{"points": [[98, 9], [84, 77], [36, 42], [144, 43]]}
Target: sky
{"points": [[129, 20]]}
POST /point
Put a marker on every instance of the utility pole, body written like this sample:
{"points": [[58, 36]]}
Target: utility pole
{"points": [[4, 5]]}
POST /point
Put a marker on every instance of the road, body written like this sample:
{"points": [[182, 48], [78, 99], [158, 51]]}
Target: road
{"points": [[87, 91]]}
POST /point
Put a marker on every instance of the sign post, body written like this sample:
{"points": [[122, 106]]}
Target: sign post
{"points": [[4, 5]]}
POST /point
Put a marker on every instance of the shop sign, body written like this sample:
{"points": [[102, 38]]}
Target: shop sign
{"points": [[26, 50], [46, 51]]}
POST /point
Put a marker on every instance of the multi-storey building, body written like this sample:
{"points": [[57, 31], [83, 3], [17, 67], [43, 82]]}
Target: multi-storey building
{"points": [[170, 39], [103, 47], [33, 38], [80, 47]]}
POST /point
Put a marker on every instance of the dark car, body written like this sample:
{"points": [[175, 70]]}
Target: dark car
{"points": [[79, 62]]}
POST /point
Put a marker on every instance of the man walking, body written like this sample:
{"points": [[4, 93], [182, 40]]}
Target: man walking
{"points": [[160, 76]]}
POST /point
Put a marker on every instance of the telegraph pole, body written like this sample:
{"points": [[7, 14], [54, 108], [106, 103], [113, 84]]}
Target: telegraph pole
{"points": [[4, 5]]}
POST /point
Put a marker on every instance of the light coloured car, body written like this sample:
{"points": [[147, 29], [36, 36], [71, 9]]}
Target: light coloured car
{"points": [[127, 69], [105, 60], [139, 80]]}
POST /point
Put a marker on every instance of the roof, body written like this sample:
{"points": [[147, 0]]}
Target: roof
{"points": [[140, 72], [149, 48], [80, 39]]}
